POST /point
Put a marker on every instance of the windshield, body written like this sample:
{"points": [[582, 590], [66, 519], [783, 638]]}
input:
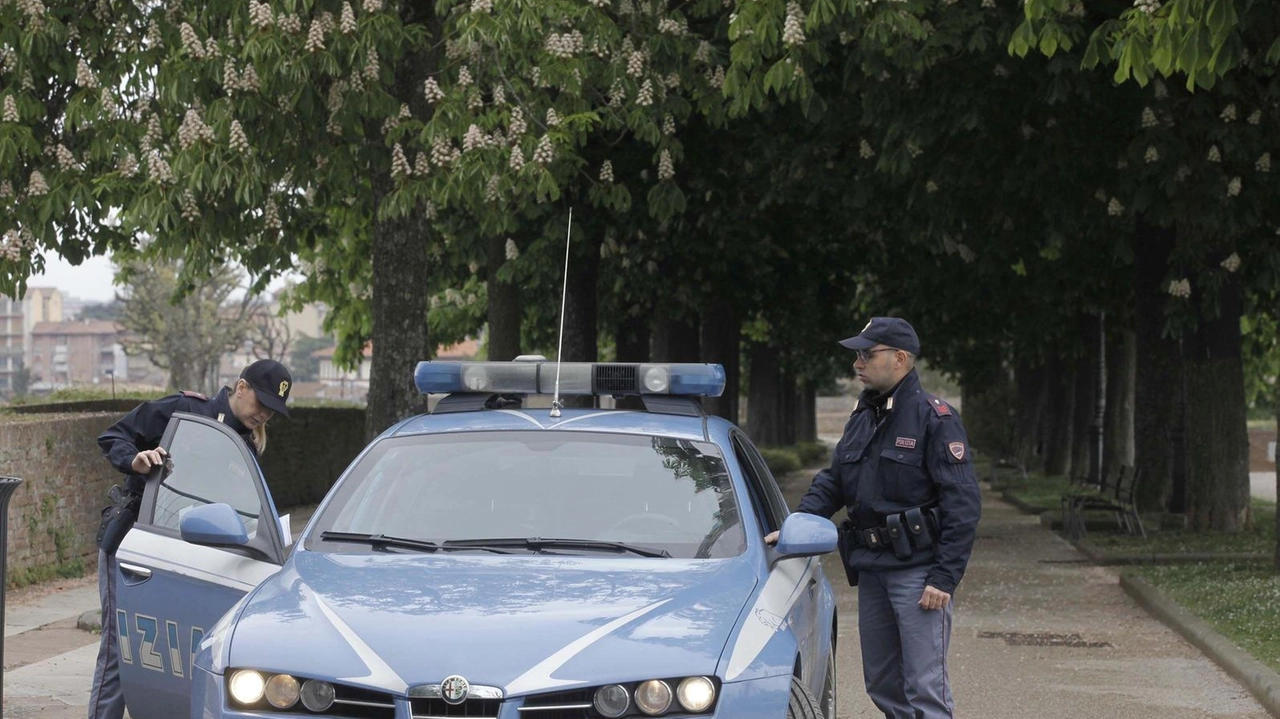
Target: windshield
{"points": [[655, 492]]}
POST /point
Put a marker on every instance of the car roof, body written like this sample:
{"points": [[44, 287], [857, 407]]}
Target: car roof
{"points": [[573, 420]]}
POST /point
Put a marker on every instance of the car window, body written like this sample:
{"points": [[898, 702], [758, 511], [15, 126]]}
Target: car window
{"points": [[770, 508], [653, 491], [208, 467]]}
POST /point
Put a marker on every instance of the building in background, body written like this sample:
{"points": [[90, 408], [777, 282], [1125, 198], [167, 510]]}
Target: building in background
{"points": [[353, 385]]}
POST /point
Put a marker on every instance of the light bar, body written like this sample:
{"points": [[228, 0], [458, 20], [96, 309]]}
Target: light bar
{"points": [[576, 378]]}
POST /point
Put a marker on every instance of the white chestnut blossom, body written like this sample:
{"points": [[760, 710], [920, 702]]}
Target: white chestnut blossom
{"points": [[1229, 113], [1234, 186], [865, 151], [1152, 155], [1214, 155], [421, 165], [193, 130], [1150, 7], [793, 26], [1180, 288], [1149, 118], [645, 96], [668, 125], [635, 64], [473, 139], [545, 152], [517, 124], [347, 23], [1232, 262], [372, 5], [399, 163], [1264, 163], [1115, 208], [190, 211], [606, 171], [237, 140], [464, 76], [1255, 117], [553, 119], [513, 251], [84, 75], [666, 170], [260, 15], [517, 159], [36, 186], [315, 36], [431, 90], [157, 168], [10, 110]]}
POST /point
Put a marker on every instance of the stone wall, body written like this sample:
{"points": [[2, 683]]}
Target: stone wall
{"points": [[53, 515]]}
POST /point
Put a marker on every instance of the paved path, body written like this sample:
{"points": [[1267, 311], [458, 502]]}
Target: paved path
{"points": [[1037, 633]]}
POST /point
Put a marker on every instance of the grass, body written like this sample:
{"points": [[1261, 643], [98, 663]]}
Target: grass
{"points": [[1241, 601], [1036, 490]]}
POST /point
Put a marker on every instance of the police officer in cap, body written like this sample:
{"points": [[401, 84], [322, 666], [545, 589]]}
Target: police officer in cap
{"points": [[904, 472], [132, 445]]}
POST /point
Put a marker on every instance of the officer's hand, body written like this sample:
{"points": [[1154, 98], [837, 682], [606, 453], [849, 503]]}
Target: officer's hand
{"points": [[934, 598], [148, 458], [771, 538]]}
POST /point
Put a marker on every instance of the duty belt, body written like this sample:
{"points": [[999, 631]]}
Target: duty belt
{"points": [[915, 527]]}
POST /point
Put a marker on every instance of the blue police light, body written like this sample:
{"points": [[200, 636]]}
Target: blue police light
{"points": [[575, 378]]}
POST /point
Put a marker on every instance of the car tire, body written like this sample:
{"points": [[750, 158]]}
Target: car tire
{"points": [[803, 704], [828, 697]]}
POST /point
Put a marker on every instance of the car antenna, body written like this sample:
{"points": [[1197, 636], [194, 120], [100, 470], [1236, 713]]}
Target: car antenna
{"points": [[564, 292]]}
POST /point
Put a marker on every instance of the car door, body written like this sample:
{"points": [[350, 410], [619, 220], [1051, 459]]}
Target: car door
{"points": [[803, 615], [169, 592]]}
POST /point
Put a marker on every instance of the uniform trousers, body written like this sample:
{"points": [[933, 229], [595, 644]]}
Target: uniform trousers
{"points": [[904, 647], [106, 699]]}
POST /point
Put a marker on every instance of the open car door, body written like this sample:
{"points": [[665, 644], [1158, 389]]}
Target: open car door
{"points": [[168, 591]]}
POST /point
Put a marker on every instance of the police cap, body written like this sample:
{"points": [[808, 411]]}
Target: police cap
{"points": [[271, 382], [892, 332]]}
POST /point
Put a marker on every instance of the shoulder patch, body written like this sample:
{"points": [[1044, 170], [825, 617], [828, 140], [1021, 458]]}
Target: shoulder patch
{"points": [[942, 409], [194, 395]]}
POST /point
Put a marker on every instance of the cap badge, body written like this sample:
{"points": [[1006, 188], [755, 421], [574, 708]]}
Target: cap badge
{"points": [[284, 387]]}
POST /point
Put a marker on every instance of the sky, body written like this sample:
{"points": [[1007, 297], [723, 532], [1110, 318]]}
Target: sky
{"points": [[90, 280]]}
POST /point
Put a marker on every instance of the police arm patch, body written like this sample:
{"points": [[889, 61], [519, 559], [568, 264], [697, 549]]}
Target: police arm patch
{"points": [[957, 450]]}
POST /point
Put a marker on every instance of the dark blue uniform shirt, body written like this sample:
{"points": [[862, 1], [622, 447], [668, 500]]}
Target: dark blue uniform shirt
{"points": [[901, 450], [143, 428]]}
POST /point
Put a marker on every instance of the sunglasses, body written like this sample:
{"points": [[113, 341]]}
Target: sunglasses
{"points": [[865, 355]]}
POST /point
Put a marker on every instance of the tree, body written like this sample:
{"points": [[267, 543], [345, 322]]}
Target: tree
{"points": [[302, 365], [185, 333]]}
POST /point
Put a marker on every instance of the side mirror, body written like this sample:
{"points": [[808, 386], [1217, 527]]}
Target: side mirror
{"points": [[806, 535], [214, 525]]}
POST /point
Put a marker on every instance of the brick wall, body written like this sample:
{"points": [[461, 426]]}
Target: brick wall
{"points": [[53, 515]]}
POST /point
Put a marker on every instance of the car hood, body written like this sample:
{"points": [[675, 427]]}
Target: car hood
{"points": [[522, 623]]}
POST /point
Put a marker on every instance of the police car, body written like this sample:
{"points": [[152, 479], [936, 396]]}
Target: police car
{"points": [[488, 559]]}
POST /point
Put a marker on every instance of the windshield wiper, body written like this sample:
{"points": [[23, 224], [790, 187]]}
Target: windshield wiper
{"points": [[536, 544], [380, 541]]}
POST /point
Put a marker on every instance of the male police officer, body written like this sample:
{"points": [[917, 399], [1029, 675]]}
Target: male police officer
{"points": [[904, 472], [132, 445]]}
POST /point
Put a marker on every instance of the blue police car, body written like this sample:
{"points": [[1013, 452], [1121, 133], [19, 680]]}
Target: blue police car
{"points": [[488, 559]]}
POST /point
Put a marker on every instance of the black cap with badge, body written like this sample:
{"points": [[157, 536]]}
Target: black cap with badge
{"points": [[892, 332], [271, 382]]}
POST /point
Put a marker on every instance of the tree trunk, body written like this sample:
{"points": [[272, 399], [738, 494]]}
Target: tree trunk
{"points": [[806, 420], [762, 395], [1061, 411], [1032, 389], [989, 413], [788, 402], [631, 339], [399, 302], [1117, 446], [398, 311], [675, 340], [581, 332], [1218, 451], [504, 306], [721, 334], [1158, 377], [1086, 425], [1277, 558]]}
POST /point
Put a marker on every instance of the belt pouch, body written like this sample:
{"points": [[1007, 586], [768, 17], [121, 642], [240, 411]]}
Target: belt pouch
{"points": [[898, 536], [920, 534], [844, 542]]}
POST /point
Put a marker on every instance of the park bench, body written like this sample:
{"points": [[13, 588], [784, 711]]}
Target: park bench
{"points": [[1117, 495]]}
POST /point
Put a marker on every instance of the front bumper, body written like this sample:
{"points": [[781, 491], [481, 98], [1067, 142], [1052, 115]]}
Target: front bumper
{"points": [[755, 699]]}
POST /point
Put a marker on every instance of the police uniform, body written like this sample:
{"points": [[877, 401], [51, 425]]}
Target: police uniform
{"points": [[904, 472], [140, 430]]}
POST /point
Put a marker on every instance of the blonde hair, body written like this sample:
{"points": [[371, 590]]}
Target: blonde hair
{"points": [[260, 438]]}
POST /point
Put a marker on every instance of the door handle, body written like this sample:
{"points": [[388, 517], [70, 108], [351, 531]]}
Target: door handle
{"points": [[135, 570]]}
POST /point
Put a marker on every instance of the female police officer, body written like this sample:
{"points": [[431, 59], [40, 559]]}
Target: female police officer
{"points": [[132, 447]]}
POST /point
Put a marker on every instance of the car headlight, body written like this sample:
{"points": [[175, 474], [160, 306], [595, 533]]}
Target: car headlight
{"points": [[317, 696], [247, 686], [653, 697], [282, 691], [696, 694], [612, 701]]}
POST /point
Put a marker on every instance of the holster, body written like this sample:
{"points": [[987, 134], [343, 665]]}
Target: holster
{"points": [[844, 542], [920, 533], [117, 518]]}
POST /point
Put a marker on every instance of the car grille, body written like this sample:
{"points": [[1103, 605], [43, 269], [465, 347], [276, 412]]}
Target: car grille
{"points": [[360, 704], [561, 705], [615, 378], [440, 709]]}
